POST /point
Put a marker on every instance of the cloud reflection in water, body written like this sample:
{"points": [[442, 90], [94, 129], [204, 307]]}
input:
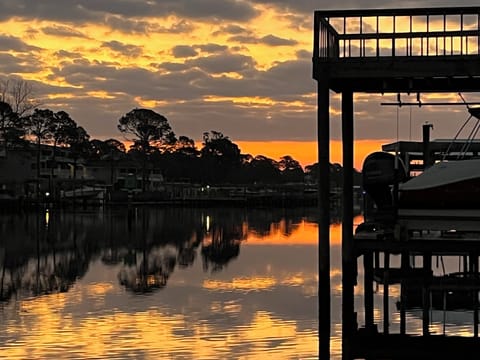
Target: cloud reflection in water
{"points": [[259, 303]]}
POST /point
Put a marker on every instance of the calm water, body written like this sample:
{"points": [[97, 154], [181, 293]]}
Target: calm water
{"points": [[179, 284], [158, 284]]}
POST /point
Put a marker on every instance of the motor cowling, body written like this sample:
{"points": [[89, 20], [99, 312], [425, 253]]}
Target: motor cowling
{"points": [[380, 172]]}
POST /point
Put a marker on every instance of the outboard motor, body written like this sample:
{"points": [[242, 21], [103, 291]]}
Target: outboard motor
{"points": [[379, 177]]}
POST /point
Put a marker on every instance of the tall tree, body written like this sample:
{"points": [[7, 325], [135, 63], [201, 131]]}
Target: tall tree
{"points": [[38, 126], [18, 94], [180, 164], [78, 140], [105, 149], [110, 150], [264, 170], [60, 127], [291, 169], [150, 130], [11, 129], [220, 156], [186, 146]]}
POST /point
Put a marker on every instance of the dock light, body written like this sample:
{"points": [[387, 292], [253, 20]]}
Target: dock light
{"points": [[47, 194], [207, 224]]}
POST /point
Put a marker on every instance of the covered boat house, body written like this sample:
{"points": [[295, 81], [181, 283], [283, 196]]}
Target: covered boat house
{"points": [[422, 50]]}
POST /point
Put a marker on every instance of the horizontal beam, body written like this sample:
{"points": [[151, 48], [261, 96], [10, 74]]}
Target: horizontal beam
{"points": [[419, 104], [464, 10]]}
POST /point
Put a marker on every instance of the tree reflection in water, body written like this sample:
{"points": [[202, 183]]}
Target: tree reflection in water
{"points": [[43, 253], [152, 272], [38, 258], [221, 241]]}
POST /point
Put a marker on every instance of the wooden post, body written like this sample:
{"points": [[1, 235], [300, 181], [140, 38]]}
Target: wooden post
{"points": [[386, 281], [368, 286], [405, 267], [323, 134], [427, 268], [474, 274], [348, 257]]}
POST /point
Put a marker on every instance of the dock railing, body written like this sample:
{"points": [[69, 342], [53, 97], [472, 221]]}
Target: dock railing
{"points": [[394, 33]]}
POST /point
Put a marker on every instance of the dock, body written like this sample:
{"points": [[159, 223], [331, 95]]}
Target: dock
{"points": [[423, 239], [354, 53]]}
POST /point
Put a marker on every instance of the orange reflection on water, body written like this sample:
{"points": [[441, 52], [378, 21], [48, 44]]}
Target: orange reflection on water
{"points": [[303, 233], [51, 332], [241, 284], [96, 289]]}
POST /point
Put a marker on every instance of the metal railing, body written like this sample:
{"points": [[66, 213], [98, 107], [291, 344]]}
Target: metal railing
{"points": [[399, 32]]}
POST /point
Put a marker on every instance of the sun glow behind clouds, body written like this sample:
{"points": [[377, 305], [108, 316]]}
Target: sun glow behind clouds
{"points": [[305, 152]]}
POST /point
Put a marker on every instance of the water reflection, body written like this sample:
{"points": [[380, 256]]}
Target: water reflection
{"points": [[221, 283], [46, 252]]}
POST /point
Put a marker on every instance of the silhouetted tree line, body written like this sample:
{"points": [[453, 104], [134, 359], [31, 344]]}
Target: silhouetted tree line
{"points": [[153, 145]]}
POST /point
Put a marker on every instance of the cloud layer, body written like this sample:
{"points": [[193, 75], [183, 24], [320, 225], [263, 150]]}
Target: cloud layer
{"points": [[242, 67]]}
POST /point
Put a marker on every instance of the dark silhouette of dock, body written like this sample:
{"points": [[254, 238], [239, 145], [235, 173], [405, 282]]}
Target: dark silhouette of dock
{"points": [[421, 50]]}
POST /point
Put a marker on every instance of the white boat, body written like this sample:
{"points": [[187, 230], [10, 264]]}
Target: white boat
{"points": [[85, 192], [446, 184]]}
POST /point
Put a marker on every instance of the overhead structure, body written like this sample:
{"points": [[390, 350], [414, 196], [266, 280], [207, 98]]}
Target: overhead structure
{"points": [[379, 51]]}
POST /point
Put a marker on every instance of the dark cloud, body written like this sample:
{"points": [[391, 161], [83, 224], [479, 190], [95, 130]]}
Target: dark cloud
{"points": [[226, 10], [231, 29], [128, 26], [186, 87], [273, 40], [10, 64], [270, 40], [68, 54], [278, 122], [217, 64], [135, 82], [183, 51], [169, 66], [244, 39], [212, 48], [12, 43], [180, 27], [308, 6], [124, 49], [62, 31], [78, 11], [303, 6], [199, 74], [132, 26], [304, 54], [73, 11]]}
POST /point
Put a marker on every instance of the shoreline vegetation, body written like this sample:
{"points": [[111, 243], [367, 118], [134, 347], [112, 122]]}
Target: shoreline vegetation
{"points": [[46, 157], [178, 195]]}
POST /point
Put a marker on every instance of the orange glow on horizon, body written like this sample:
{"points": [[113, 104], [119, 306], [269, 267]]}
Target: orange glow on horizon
{"points": [[305, 152]]}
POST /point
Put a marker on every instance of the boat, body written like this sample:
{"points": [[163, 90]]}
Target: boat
{"points": [[450, 183], [449, 178], [445, 185], [84, 193], [381, 172]]}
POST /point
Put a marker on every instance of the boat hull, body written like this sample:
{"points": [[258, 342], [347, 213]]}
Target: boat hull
{"points": [[458, 195]]}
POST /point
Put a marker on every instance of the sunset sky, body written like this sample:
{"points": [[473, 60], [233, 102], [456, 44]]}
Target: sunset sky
{"points": [[241, 67]]}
